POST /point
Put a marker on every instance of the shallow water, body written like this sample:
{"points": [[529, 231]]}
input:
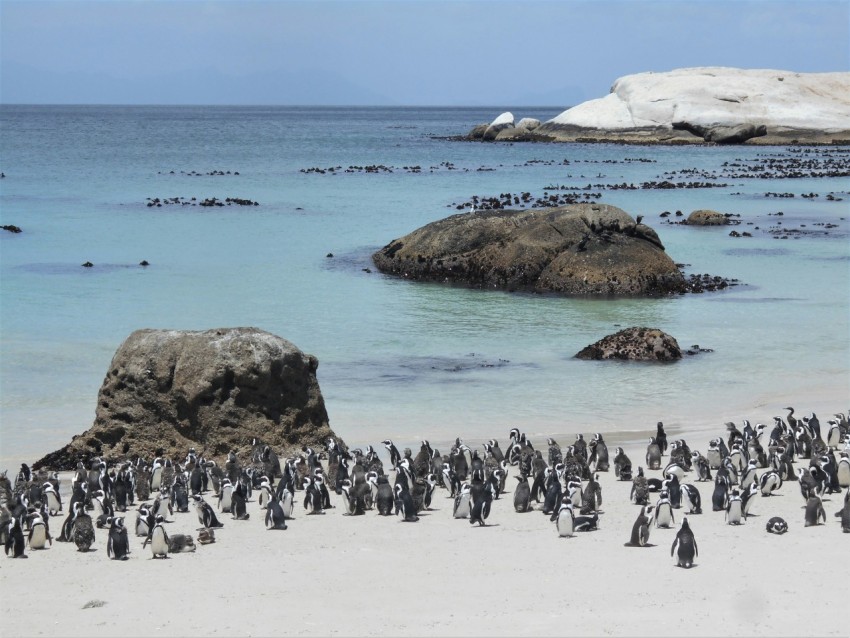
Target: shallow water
{"points": [[397, 359]]}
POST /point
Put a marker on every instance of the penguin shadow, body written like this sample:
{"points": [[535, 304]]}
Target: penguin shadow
{"points": [[647, 545], [486, 525], [692, 565]]}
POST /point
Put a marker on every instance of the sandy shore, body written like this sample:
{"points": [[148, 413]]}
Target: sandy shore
{"points": [[371, 575]]}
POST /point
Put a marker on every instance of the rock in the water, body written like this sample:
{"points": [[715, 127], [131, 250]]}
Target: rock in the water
{"points": [[634, 344], [716, 104], [707, 218], [528, 124], [213, 390], [582, 249], [504, 121]]}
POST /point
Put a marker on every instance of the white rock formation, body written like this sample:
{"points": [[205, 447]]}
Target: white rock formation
{"points": [[717, 96], [528, 124], [505, 120]]}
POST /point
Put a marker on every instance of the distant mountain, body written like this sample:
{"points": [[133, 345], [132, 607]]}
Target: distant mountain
{"points": [[23, 84]]}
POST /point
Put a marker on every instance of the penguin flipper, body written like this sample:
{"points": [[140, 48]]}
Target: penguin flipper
{"points": [[673, 548]]}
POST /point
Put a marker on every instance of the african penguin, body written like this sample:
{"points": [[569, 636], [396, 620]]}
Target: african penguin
{"points": [[39, 534], [206, 514], [640, 529], [15, 538], [481, 499], [462, 506], [158, 539], [687, 546], [691, 499], [777, 525], [815, 514], [564, 519], [735, 509], [275, 516], [522, 494], [663, 513], [117, 544], [384, 499], [404, 504], [83, 530]]}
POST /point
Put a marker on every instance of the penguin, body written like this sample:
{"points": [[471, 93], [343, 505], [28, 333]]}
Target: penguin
{"points": [[777, 525], [555, 455], [720, 496], [640, 529], [83, 529], [622, 465], [673, 488], [663, 513], [353, 503], [144, 522], [598, 454], [653, 454], [747, 498], [834, 434], [225, 496], [815, 514], [179, 543], [844, 513], [640, 489], [206, 514], [15, 538], [117, 544], [591, 499], [564, 519], [404, 504], [842, 470], [395, 457], [714, 456], [238, 506], [481, 498], [275, 516], [52, 498], [39, 534], [674, 469], [522, 494], [808, 484], [586, 523], [691, 499], [266, 494], [158, 539], [384, 499], [769, 482], [661, 438], [553, 495], [702, 466], [687, 546], [312, 497], [286, 498], [463, 506], [735, 509], [749, 474]]}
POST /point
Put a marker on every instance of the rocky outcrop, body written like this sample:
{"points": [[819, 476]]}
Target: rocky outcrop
{"points": [[707, 218], [713, 104], [215, 390], [634, 344], [504, 121], [582, 249]]}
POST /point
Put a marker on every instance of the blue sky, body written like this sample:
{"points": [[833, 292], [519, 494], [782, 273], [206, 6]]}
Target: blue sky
{"points": [[397, 52]]}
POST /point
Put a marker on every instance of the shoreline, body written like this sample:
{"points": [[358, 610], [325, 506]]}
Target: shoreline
{"points": [[373, 575]]}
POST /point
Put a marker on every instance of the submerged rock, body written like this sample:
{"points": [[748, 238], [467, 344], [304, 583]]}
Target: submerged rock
{"points": [[213, 390], [581, 249], [706, 217], [634, 344]]}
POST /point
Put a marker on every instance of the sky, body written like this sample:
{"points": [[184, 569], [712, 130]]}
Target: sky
{"points": [[393, 52]]}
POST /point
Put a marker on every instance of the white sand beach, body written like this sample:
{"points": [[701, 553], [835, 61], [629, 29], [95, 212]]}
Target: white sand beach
{"points": [[372, 575]]}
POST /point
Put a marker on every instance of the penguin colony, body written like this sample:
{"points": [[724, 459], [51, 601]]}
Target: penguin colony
{"points": [[741, 467]]}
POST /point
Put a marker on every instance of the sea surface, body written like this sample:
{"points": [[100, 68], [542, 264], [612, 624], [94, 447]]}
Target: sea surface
{"points": [[399, 359]]}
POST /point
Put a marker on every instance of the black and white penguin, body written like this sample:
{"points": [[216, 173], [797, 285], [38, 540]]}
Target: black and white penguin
{"points": [[591, 498], [312, 497], [749, 474], [653, 454], [769, 482], [158, 539], [815, 514], [691, 499], [481, 500], [663, 512], [720, 496], [83, 529], [622, 465], [404, 504], [118, 543], [713, 456], [238, 503], [39, 534], [564, 519], [395, 457], [700, 463], [462, 506], [842, 471], [735, 509], [673, 487], [206, 514], [687, 546], [640, 488], [52, 498], [586, 523], [275, 516], [384, 498], [844, 513], [661, 437], [674, 468], [225, 496], [353, 504], [553, 494], [522, 494], [15, 538], [640, 530], [266, 493], [777, 525], [555, 454], [747, 499], [598, 454]]}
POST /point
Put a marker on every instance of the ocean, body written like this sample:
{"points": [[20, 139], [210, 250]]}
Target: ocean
{"points": [[398, 359]]}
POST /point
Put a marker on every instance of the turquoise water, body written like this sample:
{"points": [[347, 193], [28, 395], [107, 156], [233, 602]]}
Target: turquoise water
{"points": [[397, 359]]}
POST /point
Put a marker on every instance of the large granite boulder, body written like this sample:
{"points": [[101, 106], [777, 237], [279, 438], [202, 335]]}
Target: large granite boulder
{"points": [[634, 344], [504, 121], [214, 390], [713, 104], [582, 249]]}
